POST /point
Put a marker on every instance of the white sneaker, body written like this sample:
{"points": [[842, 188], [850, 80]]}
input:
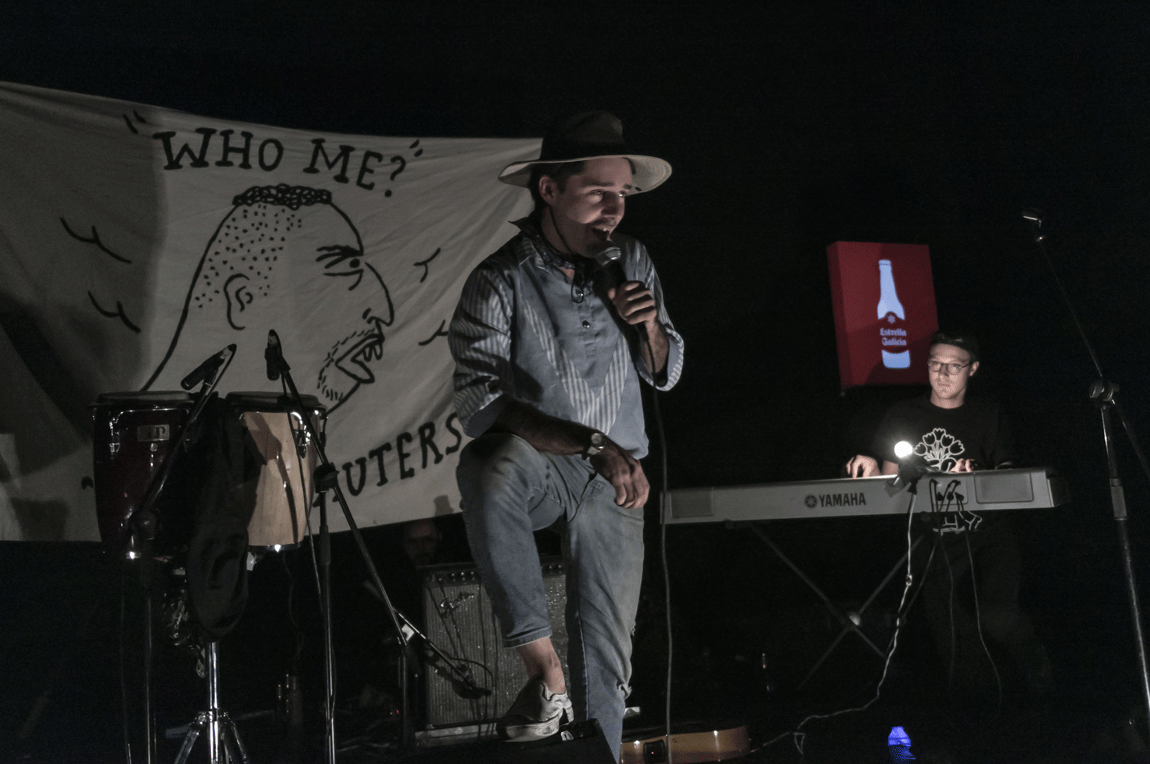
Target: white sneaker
{"points": [[535, 714]]}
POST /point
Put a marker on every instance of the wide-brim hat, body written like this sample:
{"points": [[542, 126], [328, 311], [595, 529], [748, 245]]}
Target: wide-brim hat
{"points": [[590, 135]]}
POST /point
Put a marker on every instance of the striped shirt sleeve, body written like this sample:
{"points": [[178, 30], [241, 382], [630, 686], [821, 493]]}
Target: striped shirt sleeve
{"points": [[674, 340], [480, 342]]}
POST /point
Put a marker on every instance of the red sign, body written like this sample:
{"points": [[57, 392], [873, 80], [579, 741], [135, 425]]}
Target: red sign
{"points": [[884, 311]]}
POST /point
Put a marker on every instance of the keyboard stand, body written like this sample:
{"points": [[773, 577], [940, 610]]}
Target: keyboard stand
{"points": [[847, 623]]}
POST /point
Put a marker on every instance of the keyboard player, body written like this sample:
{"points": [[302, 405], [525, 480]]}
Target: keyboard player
{"points": [[954, 434]]}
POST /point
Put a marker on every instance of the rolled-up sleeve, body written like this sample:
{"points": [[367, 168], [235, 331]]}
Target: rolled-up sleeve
{"points": [[674, 340], [480, 342]]}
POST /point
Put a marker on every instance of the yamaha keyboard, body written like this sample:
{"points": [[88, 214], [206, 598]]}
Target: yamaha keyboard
{"points": [[980, 491]]}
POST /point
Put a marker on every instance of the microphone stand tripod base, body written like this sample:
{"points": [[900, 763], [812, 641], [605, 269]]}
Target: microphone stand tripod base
{"points": [[221, 730]]}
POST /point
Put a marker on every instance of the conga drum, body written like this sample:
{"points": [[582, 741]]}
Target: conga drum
{"points": [[132, 435], [279, 443]]}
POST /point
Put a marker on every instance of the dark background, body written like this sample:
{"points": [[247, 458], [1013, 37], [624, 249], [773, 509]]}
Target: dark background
{"points": [[790, 125]]}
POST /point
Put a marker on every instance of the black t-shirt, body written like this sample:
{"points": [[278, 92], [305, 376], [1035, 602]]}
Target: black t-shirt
{"points": [[975, 430]]}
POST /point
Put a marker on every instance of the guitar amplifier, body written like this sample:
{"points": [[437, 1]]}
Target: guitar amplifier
{"points": [[461, 622]]}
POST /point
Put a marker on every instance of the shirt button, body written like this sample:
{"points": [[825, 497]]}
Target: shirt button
{"points": [[586, 324]]}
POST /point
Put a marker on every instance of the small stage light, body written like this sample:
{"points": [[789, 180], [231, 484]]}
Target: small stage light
{"points": [[911, 466], [898, 745]]}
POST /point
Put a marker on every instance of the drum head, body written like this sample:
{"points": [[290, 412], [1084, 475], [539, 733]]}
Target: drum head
{"points": [[258, 401], [151, 399]]}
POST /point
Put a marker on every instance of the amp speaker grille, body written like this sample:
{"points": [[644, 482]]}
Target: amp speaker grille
{"points": [[460, 621]]}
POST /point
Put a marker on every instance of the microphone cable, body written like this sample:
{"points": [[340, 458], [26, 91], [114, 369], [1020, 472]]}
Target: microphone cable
{"points": [[978, 616], [661, 435], [952, 501]]}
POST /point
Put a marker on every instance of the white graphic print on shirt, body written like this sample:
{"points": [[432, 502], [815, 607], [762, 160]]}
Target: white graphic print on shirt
{"points": [[940, 449]]}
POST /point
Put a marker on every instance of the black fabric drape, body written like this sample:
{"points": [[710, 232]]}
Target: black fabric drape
{"points": [[217, 550]]}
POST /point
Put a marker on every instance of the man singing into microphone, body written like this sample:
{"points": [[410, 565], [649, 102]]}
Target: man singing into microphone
{"points": [[550, 346]]}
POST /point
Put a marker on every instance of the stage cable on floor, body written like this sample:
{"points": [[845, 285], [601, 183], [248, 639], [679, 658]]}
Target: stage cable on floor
{"points": [[798, 735]]}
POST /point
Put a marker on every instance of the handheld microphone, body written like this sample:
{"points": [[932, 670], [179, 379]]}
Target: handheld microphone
{"points": [[607, 255], [207, 368], [273, 355], [607, 252]]}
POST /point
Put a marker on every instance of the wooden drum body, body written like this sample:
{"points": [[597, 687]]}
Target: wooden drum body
{"points": [[287, 457]]}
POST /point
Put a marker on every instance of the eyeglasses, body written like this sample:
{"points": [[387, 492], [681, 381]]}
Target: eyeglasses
{"points": [[951, 368]]}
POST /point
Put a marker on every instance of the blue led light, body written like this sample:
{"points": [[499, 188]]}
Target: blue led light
{"points": [[898, 745]]}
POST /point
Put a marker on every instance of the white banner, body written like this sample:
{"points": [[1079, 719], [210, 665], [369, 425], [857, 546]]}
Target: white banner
{"points": [[135, 242]]}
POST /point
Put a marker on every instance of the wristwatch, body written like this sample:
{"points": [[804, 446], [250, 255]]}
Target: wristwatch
{"points": [[595, 444]]}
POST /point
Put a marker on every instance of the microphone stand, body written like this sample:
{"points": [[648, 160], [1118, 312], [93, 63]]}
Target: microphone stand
{"points": [[454, 672], [1104, 394], [327, 477], [911, 469], [142, 521]]}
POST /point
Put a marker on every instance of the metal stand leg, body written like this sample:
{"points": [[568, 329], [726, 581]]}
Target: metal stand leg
{"points": [[1104, 395], [851, 625], [147, 573], [221, 730], [845, 620]]}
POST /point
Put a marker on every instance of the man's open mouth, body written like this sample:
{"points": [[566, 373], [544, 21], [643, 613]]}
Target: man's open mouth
{"points": [[354, 362]]}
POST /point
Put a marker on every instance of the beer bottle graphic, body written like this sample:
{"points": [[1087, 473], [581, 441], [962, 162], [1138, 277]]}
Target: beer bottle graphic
{"points": [[891, 321]]}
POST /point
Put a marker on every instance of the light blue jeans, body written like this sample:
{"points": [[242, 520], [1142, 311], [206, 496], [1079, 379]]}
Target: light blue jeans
{"points": [[509, 490]]}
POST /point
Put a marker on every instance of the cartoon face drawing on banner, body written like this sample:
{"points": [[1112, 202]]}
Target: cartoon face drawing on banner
{"points": [[286, 258]]}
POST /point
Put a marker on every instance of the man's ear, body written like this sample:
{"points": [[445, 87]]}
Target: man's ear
{"points": [[548, 189], [240, 298], [973, 368]]}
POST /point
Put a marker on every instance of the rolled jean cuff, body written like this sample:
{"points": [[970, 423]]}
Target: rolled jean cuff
{"points": [[532, 636]]}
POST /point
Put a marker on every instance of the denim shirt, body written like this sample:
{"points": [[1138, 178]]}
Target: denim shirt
{"points": [[522, 330]]}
